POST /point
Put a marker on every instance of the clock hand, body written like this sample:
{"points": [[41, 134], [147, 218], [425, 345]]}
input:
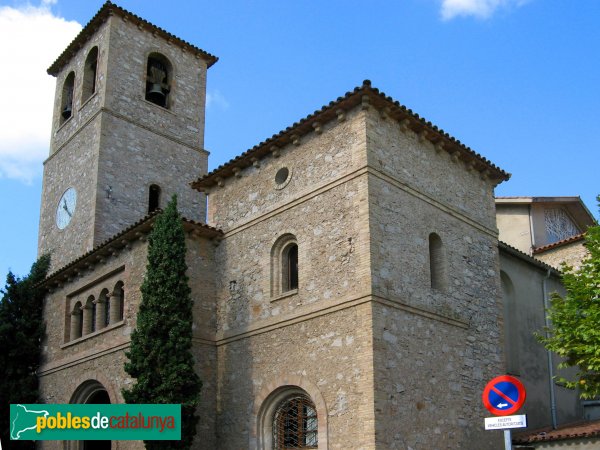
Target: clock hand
{"points": [[66, 208]]}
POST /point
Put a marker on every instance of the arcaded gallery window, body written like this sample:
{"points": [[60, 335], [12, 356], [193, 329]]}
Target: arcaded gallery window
{"points": [[295, 424]]}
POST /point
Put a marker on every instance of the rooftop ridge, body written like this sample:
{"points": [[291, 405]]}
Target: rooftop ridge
{"points": [[107, 10], [365, 95]]}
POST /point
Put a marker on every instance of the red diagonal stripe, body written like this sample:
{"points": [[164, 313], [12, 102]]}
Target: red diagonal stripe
{"points": [[503, 395]]}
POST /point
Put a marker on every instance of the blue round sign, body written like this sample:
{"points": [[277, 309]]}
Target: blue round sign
{"points": [[504, 395]]}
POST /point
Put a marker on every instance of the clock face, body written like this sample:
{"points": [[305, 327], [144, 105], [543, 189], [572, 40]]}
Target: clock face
{"points": [[66, 208]]}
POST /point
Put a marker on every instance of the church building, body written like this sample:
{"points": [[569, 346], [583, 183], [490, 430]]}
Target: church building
{"points": [[345, 272]]}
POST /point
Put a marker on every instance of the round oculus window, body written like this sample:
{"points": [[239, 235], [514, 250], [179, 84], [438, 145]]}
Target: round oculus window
{"points": [[282, 177]]}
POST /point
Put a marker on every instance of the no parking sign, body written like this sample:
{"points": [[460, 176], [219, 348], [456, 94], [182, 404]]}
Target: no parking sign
{"points": [[504, 395]]}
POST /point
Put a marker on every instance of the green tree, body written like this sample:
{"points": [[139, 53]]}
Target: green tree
{"points": [[21, 334], [574, 332], [160, 357]]}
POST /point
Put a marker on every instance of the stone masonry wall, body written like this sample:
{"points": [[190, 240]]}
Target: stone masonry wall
{"points": [[73, 166], [183, 122], [100, 356], [331, 353], [434, 348], [571, 254], [319, 160]]}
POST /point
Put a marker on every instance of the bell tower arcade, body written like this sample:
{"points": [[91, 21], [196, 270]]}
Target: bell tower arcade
{"points": [[127, 132]]}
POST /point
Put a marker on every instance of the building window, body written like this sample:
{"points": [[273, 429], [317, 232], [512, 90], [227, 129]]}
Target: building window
{"points": [[153, 198], [289, 268], [102, 310], [295, 424], [559, 225], [117, 303], [89, 74], [284, 265], [158, 80], [437, 263], [66, 104], [89, 316], [76, 322]]}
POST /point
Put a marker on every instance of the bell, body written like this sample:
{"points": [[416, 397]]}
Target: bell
{"points": [[156, 95], [66, 112]]}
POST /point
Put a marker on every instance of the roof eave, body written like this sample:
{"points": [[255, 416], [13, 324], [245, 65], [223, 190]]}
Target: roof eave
{"points": [[107, 10]]}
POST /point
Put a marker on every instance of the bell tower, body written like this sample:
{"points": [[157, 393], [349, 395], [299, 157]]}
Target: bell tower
{"points": [[127, 132]]}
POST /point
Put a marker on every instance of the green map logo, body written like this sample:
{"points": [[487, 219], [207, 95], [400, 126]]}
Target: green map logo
{"points": [[23, 420], [95, 422]]}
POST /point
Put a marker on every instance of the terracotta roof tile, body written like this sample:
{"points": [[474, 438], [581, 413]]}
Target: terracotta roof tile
{"points": [[142, 226], [524, 256], [329, 112], [101, 16], [569, 240], [572, 431]]}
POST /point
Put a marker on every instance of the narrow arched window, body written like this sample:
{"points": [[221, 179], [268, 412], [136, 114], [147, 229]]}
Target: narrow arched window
{"points": [[289, 267], [158, 79], [66, 104], [76, 321], [89, 316], [89, 74], [437, 263], [153, 198], [117, 303], [102, 303], [295, 424]]}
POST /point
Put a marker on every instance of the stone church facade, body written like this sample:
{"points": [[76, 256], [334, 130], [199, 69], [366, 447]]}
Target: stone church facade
{"points": [[348, 266]]}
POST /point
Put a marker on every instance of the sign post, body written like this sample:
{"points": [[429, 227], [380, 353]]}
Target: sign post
{"points": [[502, 396]]}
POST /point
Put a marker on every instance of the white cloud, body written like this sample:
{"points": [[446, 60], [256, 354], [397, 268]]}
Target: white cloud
{"points": [[481, 9], [32, 38], [217, 99]]}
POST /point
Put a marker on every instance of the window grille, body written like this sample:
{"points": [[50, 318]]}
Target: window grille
{"points": [[295, 424], [559, 225]]}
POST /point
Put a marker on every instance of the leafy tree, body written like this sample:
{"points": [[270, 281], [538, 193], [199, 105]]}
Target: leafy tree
{"points": [[21, 333], [160, 356], [574, 332]]}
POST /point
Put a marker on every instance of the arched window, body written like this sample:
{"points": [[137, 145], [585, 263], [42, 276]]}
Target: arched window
{"points": [[102, 305], [284, 265], [89, 316], [89, 74], [437, 263], [153, 198], [158, 79], [289, 268], [117, 303], [66, 104], [76, 321], [295, 423]]}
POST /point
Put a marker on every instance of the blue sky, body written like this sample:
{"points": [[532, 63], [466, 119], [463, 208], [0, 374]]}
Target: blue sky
{"points": [[516, 80]]}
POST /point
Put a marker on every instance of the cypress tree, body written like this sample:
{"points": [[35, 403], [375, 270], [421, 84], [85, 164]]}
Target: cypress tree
{"points": [[21, 334], [160, 357]]}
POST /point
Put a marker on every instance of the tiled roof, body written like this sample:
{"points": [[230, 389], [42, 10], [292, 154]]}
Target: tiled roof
{"points": [[569, 240], [580, 430], [361, 95], [107, 10], [525, 257], [120, 240]]}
